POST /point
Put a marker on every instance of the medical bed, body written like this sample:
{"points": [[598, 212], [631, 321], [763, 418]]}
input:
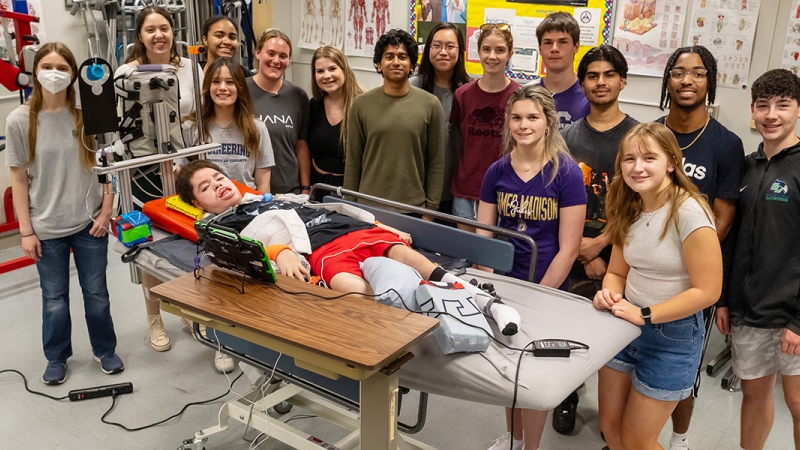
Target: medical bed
{"points": [[487, 377]]}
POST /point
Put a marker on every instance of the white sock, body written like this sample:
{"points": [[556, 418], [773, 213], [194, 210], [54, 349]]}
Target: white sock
{"points": [[518, 444], [507, 318], [679, 441]]}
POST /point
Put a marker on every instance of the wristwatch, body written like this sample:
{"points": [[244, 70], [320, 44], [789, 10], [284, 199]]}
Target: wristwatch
{"points": [[646, 314]]}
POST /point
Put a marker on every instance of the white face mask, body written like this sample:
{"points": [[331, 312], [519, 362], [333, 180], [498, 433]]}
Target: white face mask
{"points": [[54, 81]]}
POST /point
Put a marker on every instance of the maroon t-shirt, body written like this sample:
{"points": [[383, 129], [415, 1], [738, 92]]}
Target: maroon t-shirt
{"points": [[479, 116]]}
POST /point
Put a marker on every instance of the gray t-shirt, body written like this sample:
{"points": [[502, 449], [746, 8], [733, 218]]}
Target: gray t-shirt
{"points": [[286, 116], [62, 194], [445, 96], [233, 158], [658, 269]]}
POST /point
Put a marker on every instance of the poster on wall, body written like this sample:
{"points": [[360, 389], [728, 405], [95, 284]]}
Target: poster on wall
{"points": [[366, 21], [647, 32], [321, 23], [727, 28], [34, 9], [433, 12], [791, 49]]}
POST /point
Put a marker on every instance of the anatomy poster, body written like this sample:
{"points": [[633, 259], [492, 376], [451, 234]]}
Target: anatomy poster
{"points": [[727, 28], [791, 49], [322, 23], [366, 21], [34, 9], [647, 32]]}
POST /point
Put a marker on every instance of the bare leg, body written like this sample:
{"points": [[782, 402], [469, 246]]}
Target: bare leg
{"points": [[517, 423], [682, 416], [461, 226], [643, 420], [152, 306], [533, 424], [411, 258], [758, 411], [613, 390], [347, 282], [791, 393]]}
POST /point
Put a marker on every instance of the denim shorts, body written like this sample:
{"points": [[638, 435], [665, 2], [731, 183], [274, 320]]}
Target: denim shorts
{"points": [[663, 360], [465, 208]]}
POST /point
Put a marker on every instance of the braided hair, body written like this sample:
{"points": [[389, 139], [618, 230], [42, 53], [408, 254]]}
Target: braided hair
{"points": [[709, 63]]}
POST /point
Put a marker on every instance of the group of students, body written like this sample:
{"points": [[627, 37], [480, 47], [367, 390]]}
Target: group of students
{"points": [[556, 159]]}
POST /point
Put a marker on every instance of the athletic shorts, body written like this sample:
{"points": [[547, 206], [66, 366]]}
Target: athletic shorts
{"points": [[663, 360], [346, 253], [757, 353]]}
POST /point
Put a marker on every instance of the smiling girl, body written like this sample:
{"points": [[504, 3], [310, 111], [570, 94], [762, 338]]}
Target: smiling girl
{"points": [[334, 89], [227, 115], [441, 73], [537, 189], [220, 38], [665, 268], [477, 119]]}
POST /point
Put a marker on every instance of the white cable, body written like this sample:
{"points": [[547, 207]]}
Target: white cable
{"points": [[89, 212]]}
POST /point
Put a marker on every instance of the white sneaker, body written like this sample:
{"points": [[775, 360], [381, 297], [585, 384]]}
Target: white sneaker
{"points": [[158, 338], [222, 362], [504, 442]]}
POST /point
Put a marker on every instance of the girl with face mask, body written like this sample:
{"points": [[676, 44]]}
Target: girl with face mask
{"points": [[61, 206]]}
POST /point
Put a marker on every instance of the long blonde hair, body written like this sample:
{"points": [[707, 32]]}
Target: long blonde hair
{"points": [[554, 145], [624, 205], [352, 88], [35, 103], [243, 109]]}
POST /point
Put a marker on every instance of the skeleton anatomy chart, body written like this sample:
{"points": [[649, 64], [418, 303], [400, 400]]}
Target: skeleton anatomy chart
{"points": [[322, 23], [366, 20]]}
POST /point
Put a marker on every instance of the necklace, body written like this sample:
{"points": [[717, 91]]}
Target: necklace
{"points": [[335, 111], [708, 119]]}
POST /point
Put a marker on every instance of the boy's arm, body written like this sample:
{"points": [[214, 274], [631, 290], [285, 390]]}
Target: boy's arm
{"points": [[288, 262]]}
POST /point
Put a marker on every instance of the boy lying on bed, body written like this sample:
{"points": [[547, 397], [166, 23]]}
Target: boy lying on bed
{"points": [[336, 244]]}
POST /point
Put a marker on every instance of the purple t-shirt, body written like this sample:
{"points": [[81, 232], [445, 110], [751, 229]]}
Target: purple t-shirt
{"points": [[533, 208], [571, 105]]}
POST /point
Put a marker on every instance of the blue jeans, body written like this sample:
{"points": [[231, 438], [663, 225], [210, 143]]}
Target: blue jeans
{"points": [[91, 260], [663, 360]]}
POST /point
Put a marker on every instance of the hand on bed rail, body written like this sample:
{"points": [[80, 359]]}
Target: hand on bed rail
{"points": [[405, 237]]}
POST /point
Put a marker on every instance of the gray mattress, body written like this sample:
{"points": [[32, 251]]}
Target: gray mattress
{"points": [[489, 377]]}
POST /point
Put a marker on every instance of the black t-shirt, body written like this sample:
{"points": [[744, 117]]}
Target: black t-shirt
{"points": [[715, 162], [595, 152], [322, 225], [323, 139]]}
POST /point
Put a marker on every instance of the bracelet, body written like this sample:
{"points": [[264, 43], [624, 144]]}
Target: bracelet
{"points": [[28, 235], [305, 188]]}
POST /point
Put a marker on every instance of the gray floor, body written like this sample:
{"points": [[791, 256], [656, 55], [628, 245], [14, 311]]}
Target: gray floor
{"points": [[164, 382]]}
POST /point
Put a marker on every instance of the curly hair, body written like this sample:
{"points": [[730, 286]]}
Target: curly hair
{"points": [[709, 63], [426, 70], [603, 53], [396, 37], [779, 83]]}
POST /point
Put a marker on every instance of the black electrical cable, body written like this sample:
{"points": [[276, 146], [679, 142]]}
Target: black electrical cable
{"points": [[114, 402], [25, 382]]}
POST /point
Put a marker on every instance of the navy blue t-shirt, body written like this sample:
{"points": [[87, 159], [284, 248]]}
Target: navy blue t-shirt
{"points": [[714, 162]]}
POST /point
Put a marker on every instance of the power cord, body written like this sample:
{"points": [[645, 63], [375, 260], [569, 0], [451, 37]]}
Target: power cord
{"points": [[25, 382], [185, 407]]}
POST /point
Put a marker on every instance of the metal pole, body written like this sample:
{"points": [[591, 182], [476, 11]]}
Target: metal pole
{"points": [[194, 55]]}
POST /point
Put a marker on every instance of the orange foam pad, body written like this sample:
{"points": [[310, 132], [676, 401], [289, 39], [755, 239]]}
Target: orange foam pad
{"points": [[174, 222]]}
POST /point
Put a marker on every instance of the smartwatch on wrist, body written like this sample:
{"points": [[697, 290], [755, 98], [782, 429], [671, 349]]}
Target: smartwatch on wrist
{"points": [[646, 314]]}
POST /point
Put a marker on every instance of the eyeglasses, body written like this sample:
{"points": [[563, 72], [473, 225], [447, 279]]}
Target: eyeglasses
{"points": [[500, 26], [680, 74], [450, 48]]}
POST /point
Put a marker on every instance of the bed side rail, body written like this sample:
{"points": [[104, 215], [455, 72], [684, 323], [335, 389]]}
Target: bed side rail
{"points": [[439, 238]]}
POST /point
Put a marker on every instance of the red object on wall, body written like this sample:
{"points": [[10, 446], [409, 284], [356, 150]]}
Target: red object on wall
{"points": [[11, 223]]}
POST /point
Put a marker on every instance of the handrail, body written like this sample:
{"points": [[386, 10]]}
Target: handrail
{"points": [[340, 191]]}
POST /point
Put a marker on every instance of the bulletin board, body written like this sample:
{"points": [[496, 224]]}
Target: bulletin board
{"points": [[594, 19]]}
